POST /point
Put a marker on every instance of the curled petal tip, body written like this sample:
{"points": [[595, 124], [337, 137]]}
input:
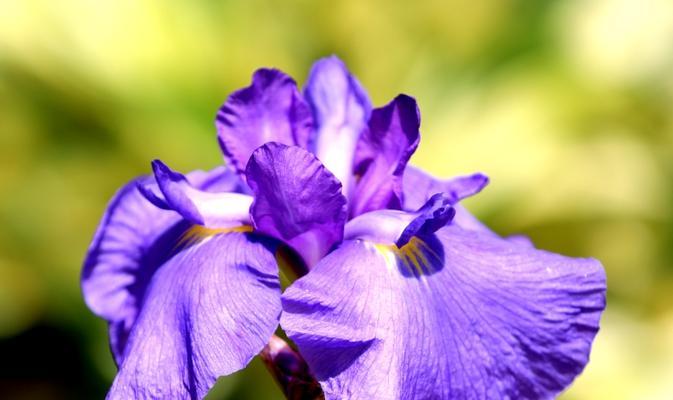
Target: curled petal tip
{"points": [[435, 214], [150, 191]]}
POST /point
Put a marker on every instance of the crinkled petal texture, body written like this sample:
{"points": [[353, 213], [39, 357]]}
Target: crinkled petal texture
{"points": [[207, 311], [297, 200], [270, 109], [133, 239], [382, 154], [454, 315]]}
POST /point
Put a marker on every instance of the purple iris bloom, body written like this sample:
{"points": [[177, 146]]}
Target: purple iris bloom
{"points": [[402, 294]]}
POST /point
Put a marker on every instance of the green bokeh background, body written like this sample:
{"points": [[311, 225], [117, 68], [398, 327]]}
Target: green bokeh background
{"points": [[566, 105]]}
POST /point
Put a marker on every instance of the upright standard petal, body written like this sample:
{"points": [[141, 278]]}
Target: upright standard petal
{"points": [[132, 240], [341, 109], [201, 207], [269, 110], [382, 155], [458, 314], [297, 200], [207, 312]]}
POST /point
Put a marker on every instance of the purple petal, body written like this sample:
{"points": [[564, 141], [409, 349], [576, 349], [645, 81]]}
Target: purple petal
{"points": [[395, 226], [297, 200], [213, 210], [341, 110], [419, 187], [466, 220], [269, 110], [207, 312], [521, 240], [458, 315], [220, 179], [435, 214], [382, 155], [149, 188], [132, 240], [121, 258]]}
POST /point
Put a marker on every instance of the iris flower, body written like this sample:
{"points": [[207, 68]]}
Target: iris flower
{"points": [[401, 293]]}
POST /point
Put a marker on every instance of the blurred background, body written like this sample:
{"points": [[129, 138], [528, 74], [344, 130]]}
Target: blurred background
{"points": [[566, 105]]}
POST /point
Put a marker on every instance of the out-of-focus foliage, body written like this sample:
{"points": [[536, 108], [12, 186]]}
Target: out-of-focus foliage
{"points": [[566, 105]]}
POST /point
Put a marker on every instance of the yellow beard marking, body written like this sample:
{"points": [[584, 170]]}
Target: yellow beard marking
{"points": [[198, 233], [413, 256]]}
